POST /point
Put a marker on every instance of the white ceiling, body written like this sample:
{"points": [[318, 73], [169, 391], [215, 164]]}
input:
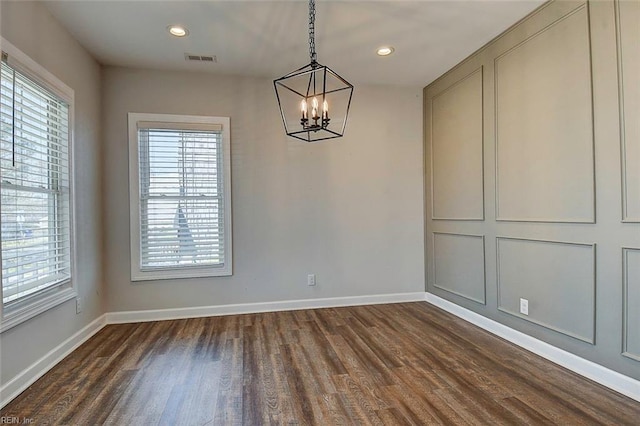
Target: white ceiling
{"points": [[269, 38]]}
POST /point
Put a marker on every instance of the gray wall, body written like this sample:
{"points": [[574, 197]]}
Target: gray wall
{"points": [[531, 187], [30, 27], [349, 210]]}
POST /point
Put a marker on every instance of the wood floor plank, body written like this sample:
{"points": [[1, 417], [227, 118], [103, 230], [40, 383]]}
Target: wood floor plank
{"points": [[316, 368], [253, 397], [301, 399], [380, 350], [526, 414], [281, 409], [410, 382], [358, 399], [326, 353], [358, 373], [230, 391], [396, 364], [369, 360], [333, 411], [393, 416], [408, 405]]}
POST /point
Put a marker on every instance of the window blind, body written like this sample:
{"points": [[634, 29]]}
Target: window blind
{"points": [[181, 196], [35, 195]]}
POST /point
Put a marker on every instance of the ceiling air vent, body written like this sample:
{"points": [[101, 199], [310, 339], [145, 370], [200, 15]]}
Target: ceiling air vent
{"points": [[200, 58]]}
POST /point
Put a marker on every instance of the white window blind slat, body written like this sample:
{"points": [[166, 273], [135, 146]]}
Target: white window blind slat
{"points": [[174, 126], [34, 170], [29, 142]]}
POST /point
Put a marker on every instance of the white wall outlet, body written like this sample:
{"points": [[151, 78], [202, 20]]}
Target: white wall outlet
{"points": [[524, 306], [78, 305], [311, 279]]}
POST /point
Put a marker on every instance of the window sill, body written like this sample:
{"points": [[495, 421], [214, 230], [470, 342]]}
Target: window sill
{"points": [[178, 273], [32, 308]]}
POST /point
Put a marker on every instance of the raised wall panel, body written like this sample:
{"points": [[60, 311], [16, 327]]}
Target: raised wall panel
{"points": [[631, 283], [558, 280], [628, 32], [456, 156], [459, 265], [544, 129]]}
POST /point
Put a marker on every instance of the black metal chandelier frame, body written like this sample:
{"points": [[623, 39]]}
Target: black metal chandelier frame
{"points": [[315, 75]]}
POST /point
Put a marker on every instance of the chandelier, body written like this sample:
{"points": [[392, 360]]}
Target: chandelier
{"points": [[314, 100]]}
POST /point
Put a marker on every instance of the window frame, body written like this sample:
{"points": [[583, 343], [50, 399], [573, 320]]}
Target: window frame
{"points": [[41, 301], [139, 274]]}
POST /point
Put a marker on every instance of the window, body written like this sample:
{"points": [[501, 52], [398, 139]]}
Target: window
{"points": [[35, 120], [180, 190]]}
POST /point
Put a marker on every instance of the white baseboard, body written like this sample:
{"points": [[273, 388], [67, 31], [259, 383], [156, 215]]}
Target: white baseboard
{"points": [[253, 308], [27, 377], [606, 377]]}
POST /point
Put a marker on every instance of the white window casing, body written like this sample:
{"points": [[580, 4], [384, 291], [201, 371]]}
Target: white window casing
{"points": [[180, 196], [36, 150]]}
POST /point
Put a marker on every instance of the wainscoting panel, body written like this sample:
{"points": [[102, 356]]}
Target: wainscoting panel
{"points": [[557, 279], [544, 142], [561, 176], [457, 184], [459, 265], [628, 36], [631, 291]]}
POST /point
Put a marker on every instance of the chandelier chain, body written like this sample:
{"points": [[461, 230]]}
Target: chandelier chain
{"points": [[312, 31]]}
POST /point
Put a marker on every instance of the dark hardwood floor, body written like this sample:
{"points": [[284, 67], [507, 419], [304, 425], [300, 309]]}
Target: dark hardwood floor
{"points": [[408, 363]]}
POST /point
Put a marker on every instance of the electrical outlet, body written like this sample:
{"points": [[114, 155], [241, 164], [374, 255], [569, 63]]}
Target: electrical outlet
{"points": [[311, 279], [78, 305], [524, 306]]}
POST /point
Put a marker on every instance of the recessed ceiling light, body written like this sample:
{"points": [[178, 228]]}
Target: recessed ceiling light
{"points": [[177, 31], [385, 51]]}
